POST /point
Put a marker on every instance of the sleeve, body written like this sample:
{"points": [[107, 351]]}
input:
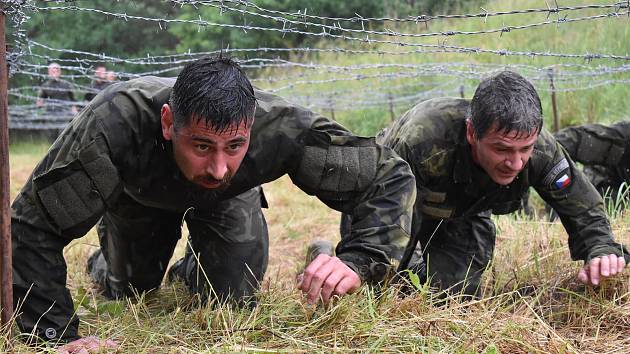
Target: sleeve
{"points": [[64, 197], [41, 92], [373, 186], [580, 208], [368, 182], [70, 93], [596, 144]]}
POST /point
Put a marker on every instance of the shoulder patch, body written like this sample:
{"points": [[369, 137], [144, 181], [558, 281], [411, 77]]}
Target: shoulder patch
{"points": [[562, 182], [555, 173]]}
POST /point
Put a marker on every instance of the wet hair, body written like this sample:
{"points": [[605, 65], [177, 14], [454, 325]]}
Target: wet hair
{"points": [[216, 90], [508, 100]]}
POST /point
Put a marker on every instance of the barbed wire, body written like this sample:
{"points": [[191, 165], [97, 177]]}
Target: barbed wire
{"points": [[411, 19], [15, 10], [316, 84], [324, 34], [221, 5]]}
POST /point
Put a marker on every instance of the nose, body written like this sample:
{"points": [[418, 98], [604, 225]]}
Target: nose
{"points": [[217, 166], [514, 162]]}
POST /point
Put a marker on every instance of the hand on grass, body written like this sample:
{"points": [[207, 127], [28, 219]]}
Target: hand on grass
{"points": [[327, 276], [600, 268], [88, 345]]}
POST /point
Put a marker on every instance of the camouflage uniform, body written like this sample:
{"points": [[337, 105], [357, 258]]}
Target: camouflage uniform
{"points": [[96, 86], [57, 94], [112, 162], [604, 151], [455, 197]]}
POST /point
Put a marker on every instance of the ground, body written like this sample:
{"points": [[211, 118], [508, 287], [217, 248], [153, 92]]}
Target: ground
{"points": [[531, 302]]}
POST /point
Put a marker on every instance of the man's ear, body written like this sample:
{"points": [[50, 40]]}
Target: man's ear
{"points": [[470, 132], [166, 118]]}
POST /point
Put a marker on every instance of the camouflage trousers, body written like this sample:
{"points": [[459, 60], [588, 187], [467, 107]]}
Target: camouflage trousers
{"points": [[226, 255], [452, 253]]}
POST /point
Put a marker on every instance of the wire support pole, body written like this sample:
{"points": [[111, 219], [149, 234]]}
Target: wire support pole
{"points": [[6, 270], [554, 106]]}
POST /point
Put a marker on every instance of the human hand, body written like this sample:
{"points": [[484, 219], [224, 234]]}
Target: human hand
{"points": [[86, 345], [601, 267], [327, 276]]}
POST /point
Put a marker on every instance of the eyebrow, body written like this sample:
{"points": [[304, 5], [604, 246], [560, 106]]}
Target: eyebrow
{"points": [[238, 139], [501, 144]]}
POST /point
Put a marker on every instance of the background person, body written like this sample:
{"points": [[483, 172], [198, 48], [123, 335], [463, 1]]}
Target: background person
{"points": [[99, 83], [55, 94]]}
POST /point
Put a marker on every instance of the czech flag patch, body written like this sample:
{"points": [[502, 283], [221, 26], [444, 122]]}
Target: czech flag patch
{"points": [[562, 181]]}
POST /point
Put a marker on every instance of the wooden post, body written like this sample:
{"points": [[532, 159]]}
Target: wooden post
{"points": [[391, 107], [6, 270], [461, 90], [556, 119], [332, 107]]}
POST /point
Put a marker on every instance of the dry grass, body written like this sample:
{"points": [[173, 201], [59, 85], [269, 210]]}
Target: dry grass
{"points": [[531, 304]]}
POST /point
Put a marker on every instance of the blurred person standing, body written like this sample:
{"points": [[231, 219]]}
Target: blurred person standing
{"points": [[111, 76], [99, 83], [56, 94]]}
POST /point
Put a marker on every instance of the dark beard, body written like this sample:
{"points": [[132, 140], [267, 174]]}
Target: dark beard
{"points": [[224, 183]]}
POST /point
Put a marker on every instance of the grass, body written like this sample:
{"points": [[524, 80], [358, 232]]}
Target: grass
{"points": [[531, 303]]}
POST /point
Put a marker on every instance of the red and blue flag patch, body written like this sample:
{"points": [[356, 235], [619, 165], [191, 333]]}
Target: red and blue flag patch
{"points": [[562, 181]]}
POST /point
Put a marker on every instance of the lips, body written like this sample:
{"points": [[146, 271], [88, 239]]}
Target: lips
{"points": [[209, 184], [507, 174]]}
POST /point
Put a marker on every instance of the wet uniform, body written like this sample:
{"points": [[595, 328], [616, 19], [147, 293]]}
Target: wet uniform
{"points": [[455, 197], [603, 150], [112, 162]]}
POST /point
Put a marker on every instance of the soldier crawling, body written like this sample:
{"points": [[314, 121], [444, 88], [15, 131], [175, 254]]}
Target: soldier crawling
{"points": [[605, 153], [475, 158], [147, 153]]}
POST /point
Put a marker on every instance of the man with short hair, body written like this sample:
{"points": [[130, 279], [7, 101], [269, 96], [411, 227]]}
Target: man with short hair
{"points": [[111, 76], [475, 158], [55, 94], [149, 153], [99, 83]]}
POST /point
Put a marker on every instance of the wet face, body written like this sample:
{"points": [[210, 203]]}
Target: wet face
{"points": [[501, 154], [205, 157]]}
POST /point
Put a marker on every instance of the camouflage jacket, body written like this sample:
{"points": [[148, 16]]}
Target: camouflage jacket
{"points": [[115, 145], [432, 138], [58, 94], [607, 147]]}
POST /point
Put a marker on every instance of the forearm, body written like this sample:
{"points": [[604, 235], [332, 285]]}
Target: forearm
{"points": [[590, 236], [381, 221]]}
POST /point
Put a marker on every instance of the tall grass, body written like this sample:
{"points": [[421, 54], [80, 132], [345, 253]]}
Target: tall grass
{"points": [[531, 303]]}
